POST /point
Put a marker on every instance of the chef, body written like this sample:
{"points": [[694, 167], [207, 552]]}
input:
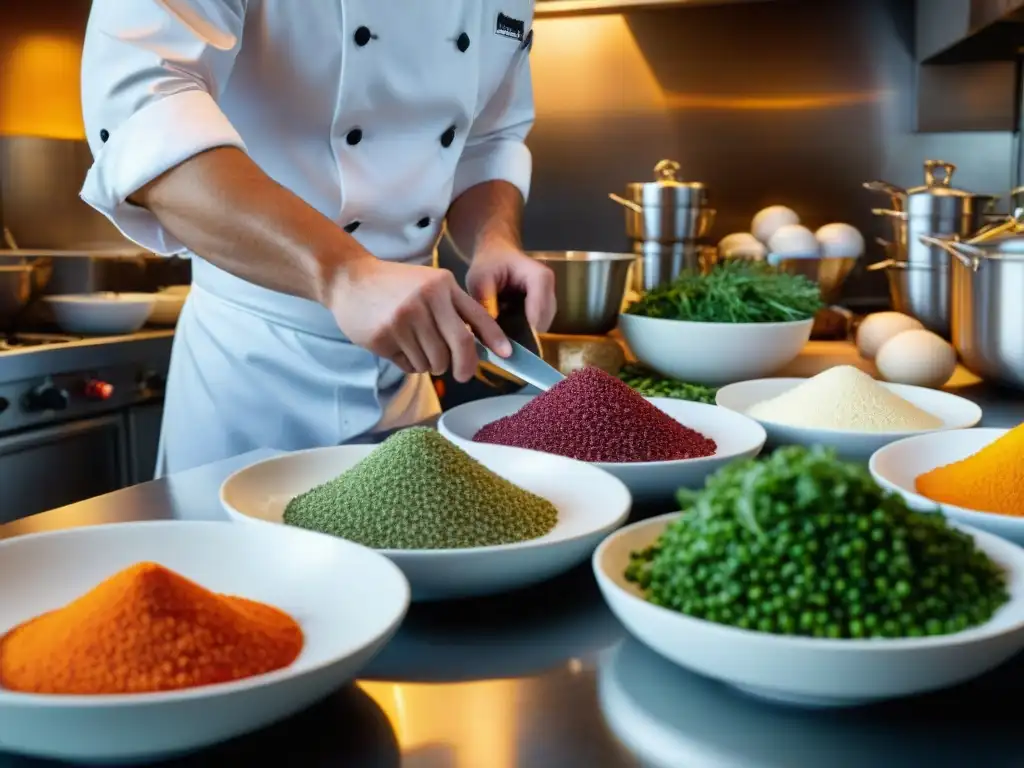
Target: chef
{"points": [[306, 155]]}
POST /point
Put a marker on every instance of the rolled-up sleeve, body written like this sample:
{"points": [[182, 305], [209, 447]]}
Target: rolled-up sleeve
{"points": [[496, 147], [152, 72]]}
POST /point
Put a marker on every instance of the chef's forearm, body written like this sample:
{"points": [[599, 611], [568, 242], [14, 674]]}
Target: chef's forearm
{"points": [[226, 209], [488, 215]]}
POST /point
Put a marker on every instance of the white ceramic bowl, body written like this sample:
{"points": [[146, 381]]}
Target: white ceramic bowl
{"points": [[956, 413], [805, 671], [101, 313], [713, 353], [590, 504], [896, 466], [348, 599], [737, 436], [167, 308]]}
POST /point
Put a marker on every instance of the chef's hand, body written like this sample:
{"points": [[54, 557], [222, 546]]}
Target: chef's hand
{"points": [[498, 270], [414, 316]]}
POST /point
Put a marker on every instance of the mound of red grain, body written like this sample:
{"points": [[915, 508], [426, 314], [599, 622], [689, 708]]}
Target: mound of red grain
{"points": [[593, 416]]}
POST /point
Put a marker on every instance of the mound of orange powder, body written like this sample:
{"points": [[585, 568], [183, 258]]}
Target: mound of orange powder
{"points": [[147, 629]]}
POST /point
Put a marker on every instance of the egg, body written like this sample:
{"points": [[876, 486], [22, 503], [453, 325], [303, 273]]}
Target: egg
{"points": [[917, 357], [878, 328], [793, 240], [740, 245], [770, 220], [839, 241]]}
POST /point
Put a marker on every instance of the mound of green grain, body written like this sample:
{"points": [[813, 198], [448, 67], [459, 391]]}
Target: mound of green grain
{"points": [[418, 491]]}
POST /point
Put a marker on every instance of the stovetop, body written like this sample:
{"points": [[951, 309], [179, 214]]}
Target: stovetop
{"points": [[15, 341]]}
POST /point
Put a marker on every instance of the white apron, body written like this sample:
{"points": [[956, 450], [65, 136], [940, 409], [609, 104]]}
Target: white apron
{"points": [[378, 114]]}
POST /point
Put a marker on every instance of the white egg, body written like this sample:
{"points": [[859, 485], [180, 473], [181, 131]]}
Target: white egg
{"points": [[840, 241], [770, 220], [878, 328], [793, 240], [916, 357], [740, 245]]}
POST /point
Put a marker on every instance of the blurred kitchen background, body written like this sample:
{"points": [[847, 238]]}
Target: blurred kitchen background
{"points": [[792, 102], [773, 101]]}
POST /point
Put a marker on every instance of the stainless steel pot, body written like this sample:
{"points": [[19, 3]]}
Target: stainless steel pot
{"points": [[920, 290], [986, 310], [937, 208], [589, 289], [22, 279], [666, 210], [661, 263]]}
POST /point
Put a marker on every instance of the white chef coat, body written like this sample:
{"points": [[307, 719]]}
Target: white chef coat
{"points": [[378, 114]]}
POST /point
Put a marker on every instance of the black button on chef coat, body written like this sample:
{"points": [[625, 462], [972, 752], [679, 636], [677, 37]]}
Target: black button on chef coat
{"points": [[354, 136], [462, 42], [423, 223], [448, 137], [104, 135], [362, 36], [352, 226]]}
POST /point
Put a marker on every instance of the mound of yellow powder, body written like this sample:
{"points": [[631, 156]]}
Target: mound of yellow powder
{"points": [[844, 398], [991, 480]]}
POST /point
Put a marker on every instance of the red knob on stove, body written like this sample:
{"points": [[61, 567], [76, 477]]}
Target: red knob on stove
{"points": [[98, 390]]}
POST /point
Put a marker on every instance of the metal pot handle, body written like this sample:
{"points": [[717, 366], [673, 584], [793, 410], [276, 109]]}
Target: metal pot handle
{"points": [[889, 212], [967, 255], [944, 176], [885, 188], [880, 265], [666, 170], [626, 203]]}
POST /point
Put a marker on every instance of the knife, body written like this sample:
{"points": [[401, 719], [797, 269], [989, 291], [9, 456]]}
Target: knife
{"points": [[522, 364]]}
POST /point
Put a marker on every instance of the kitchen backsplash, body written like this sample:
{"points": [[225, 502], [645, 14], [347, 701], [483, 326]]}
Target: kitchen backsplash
{"points": [[791, 101]]}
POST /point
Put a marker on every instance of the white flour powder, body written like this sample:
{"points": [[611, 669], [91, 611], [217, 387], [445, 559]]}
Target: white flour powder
{"points": [[846, 398]]}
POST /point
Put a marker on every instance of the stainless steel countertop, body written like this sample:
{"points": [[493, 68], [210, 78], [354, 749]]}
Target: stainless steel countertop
{"points": [[548, 678]]}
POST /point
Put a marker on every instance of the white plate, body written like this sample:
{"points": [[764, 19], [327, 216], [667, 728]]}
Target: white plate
{"points": [[805, 671], [713, 353], [101, 313], [956, 413], [896, 466], [737, 436], [590, 503], [348, 599]]}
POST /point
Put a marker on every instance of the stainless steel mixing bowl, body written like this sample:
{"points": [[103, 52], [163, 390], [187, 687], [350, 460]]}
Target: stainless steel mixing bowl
{"points": [[589, 286]]}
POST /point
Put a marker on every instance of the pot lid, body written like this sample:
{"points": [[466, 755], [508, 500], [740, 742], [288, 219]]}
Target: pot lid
{"points": [[666, 187], [938, 182]]}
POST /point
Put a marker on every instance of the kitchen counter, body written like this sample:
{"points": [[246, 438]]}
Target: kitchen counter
{"points": [[89, 352], [548, 678]]}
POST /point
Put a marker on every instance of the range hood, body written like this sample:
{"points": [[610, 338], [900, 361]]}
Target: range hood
{"points": [[574, 7], [958, 31]]}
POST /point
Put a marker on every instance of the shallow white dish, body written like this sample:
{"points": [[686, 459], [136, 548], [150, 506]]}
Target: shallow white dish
{"points": [[101, 313], [804, 671], [896, 466], [590, 503], [956, 413], [713, 353], [737, 436], [348, 599]]}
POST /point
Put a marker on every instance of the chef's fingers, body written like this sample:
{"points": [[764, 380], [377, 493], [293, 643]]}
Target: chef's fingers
{"points": [[431, 340], [405, 335], [402, 362], [486, 328], [540, 298], [458, 337], [485, 290]]}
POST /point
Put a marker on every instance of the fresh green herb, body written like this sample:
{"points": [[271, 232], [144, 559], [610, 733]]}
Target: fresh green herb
{"points": [[650, 384], [803, 544], [418, 491], [736, 291]]}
